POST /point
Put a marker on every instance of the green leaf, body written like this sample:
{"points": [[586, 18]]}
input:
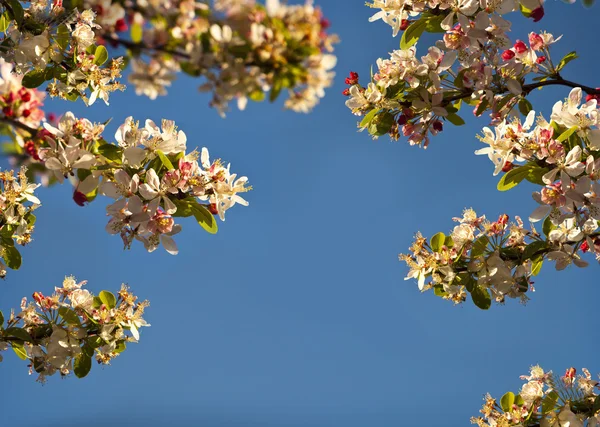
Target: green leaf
{"points": [[100, 55], [368, 117], [19, 333], [136, 32], [1, 319], [19, 350], [566, 59], [507, 401], [69, 316], [481, 297], [62, 36], [12, 257], [533, 248], [455, 119], [513, 177], [535, 174], [121, 346], [4, 22], [381, 124], [412, 34], [276, 89], [17, 11], [536, 264], [482, 107], [108, 299], [525, 106], [257, 95], [549, 402], [525, 10], [82, 365], [34, 78], [437, 241], [434, 24], [596, 406], [95, 342], [438, 290], [165, 160], [566, 134], [190, 207], [479, 246], [519, 400], [449, 242], [205, 219], [547, 226], [111, 152]]}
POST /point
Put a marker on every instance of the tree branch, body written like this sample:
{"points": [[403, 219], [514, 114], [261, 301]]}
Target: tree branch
{"points": [[15, 123]]}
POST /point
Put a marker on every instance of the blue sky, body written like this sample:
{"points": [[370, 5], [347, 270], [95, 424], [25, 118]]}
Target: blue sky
{"points": [[296, 313]]}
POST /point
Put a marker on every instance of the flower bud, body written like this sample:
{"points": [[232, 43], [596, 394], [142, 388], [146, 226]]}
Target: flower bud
{"points": [[520, 47], [507, 55]]}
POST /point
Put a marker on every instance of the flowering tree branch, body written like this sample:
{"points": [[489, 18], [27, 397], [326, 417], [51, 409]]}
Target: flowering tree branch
{"points": [[62, 333]]}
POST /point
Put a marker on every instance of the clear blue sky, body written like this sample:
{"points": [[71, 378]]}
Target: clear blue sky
{"points": [[296, 313]]}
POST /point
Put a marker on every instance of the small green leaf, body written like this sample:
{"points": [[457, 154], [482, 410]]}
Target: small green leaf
{"points": [[549, 402], [455, 119], [12, 257], [19, 333], [100, 55], [536, 264], [4, 22], [566, 134], [479, 246], [108, 299], [412, 34], [536, 174], [276, 89], [513, 177], [566, 59], [95, 342], [19, 350], [165, 160], [438, 290], [368, 117], [381, 124], [62, 36], [596, 406], [34, 78], [519, 400], [437, 241], [481, 297], [533, 248], [121, 346], [449, 242], [547, 226], [525, 106], [483, 104], [136, 32], [205, 219], [69, 316], [257, 95], [507, 401], [82, 365], [111, 152], [1, 319], [434, 24], [17, 11]]}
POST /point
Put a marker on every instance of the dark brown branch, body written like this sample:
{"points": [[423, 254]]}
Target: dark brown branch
{"points": [[19, 125]]}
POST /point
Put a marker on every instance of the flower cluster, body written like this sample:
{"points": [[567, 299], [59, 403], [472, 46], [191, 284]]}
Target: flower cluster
{"points": [[17, 203], [562, 157], [488, 259], [63, 332], [546, 401], [474, 63], [148, 174], [241, 48], [47, 43]]}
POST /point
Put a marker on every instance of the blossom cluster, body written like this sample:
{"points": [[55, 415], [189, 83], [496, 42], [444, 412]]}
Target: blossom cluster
{"points": [[147, 173], [63, 332], [17, 203], [545, 401], [47, 43], [489, 260], [242, 49], [474, 63], [562, 157]]}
